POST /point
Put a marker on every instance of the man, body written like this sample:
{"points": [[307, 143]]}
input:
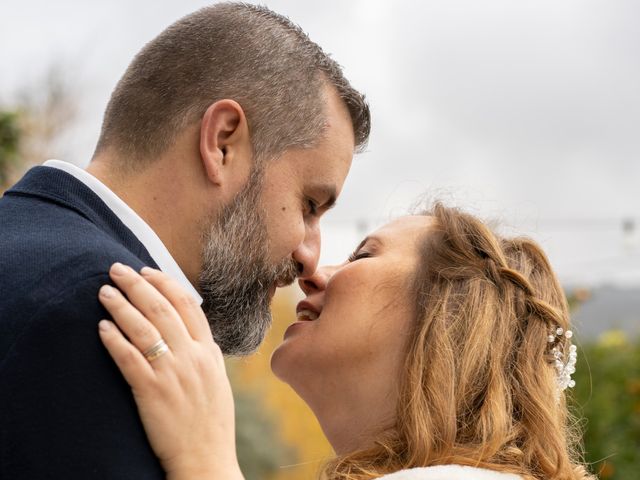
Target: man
{"points": [[227, 138]]}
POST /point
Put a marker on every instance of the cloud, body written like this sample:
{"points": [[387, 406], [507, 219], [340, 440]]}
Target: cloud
{"points": [[522, 110]]}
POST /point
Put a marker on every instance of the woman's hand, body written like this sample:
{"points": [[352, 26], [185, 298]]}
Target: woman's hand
{"points": [[183, 395]]}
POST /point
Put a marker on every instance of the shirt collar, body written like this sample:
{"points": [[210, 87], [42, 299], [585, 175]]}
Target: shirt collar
{"points": [[133, 222]]}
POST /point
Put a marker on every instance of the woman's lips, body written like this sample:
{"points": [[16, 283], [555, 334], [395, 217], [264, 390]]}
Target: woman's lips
{"points": [[306, 315], [307, 311]]}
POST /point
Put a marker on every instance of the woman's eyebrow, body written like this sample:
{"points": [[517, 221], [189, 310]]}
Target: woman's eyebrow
{"points": [[367, 239]]}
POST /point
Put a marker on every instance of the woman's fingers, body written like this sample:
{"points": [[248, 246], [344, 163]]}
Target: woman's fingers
{"points": [[184, 399], [142, 334], [134, 367], [184, 303], [151, 304]]}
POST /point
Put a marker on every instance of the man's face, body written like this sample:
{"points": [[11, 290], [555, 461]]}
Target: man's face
{"points": [[270, 233]]}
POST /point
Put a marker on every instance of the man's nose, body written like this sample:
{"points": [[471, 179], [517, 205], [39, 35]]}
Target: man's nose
{"points": [[308, 252], [318, 281]]}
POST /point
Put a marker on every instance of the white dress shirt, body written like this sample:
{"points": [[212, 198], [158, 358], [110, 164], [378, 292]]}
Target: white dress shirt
{"points": [[132, 220]]}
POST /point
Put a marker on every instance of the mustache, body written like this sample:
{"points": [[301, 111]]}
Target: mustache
{"points": [[286, 272]]}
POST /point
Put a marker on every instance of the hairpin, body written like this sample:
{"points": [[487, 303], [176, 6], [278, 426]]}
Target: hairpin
{"points": [[564, 369]]}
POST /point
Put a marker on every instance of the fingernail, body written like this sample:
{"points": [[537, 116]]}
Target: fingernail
{"points": [[104, 325], [107, 291], [118, 269], [147, 271]]}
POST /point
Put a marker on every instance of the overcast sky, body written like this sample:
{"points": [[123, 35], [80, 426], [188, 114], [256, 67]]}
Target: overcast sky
{"points": [[524, 111]]}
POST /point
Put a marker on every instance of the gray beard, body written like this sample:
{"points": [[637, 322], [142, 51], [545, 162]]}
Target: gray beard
{"points": [[236, 276]]}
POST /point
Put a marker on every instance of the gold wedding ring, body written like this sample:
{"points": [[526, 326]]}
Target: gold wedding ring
{"points": [[157, 350]]}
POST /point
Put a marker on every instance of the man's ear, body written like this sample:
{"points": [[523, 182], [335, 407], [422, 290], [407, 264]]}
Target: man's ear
{"points": [[224, 141]]}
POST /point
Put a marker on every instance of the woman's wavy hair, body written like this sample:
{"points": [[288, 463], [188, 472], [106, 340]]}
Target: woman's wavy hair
{"points": [[479, 384]]}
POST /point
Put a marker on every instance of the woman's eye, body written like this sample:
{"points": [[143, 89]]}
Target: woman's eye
{"points": [[357, 256]]}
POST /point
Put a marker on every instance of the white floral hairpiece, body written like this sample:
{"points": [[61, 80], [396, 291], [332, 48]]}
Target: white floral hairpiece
{"points": [[564, 369]]}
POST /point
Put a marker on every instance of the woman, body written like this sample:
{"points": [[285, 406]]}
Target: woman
{"points": [[439, 350]]}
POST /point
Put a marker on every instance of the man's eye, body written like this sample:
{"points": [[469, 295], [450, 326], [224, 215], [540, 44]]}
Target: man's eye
{"points": [[357, 256], [312, 206]]}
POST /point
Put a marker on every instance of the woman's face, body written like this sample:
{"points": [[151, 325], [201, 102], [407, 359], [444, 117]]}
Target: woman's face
{"points": [[352, 326]]}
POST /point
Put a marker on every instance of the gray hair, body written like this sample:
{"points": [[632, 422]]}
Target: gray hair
{"points": [[238, 51]]}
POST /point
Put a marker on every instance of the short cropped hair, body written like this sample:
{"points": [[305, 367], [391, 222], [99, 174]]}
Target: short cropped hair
{"points": [[243, 52]]}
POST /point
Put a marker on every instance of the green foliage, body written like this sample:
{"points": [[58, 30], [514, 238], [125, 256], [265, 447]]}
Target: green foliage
{"points": [[607, 393], [261, 450], [9, 143]]}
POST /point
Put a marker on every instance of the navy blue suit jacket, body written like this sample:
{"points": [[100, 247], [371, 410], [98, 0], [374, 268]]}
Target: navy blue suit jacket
{"points": [[65, 410]]}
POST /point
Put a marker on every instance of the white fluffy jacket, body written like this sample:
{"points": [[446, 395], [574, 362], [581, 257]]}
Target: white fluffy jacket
{"points": [[450, 472]]}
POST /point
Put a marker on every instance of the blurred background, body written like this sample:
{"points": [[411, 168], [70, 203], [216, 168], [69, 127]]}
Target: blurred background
{"points": [[526, 113]]}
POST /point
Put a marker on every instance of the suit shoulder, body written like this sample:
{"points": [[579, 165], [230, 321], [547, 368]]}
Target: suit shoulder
{"points": [[65, 274]]}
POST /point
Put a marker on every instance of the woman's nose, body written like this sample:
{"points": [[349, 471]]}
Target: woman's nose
{"points": [[316, 282]]}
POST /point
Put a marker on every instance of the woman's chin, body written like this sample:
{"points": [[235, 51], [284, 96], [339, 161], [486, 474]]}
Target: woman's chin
{"points": [[287, 357], [289, 365], [279, 362]]}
